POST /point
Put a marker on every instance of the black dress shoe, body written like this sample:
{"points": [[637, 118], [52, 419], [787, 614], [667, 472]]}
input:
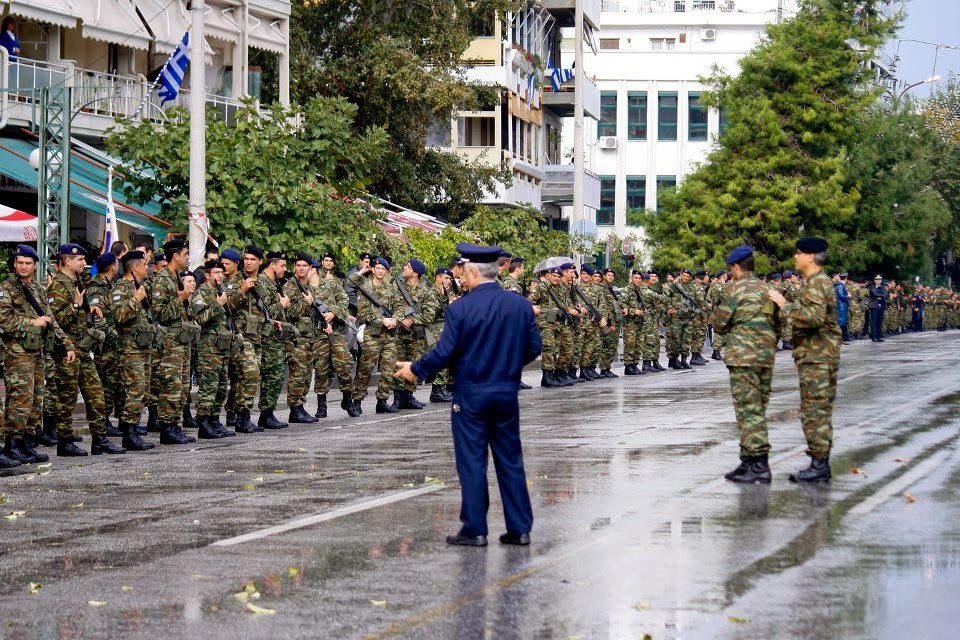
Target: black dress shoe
{"points": [[520, 539], [467, 541], [524, 386]]}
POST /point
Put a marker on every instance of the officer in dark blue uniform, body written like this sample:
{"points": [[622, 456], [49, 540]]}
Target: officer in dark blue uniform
{"points": [[488, 336]]}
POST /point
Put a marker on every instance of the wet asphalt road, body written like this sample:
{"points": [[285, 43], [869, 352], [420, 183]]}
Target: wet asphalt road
{"points": [[636, 532]]}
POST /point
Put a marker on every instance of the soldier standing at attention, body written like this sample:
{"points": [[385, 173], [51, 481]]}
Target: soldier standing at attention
{"points": [[272, 348], [546, 307], [816, 351], [134, 341], [303, 355], [214, 350], [330, 292], [412, 336], [107, 361], [634, 311], [699, 325], [684, 301], [714, 298], [648, 336], [610, 337], [25, 341], [67, 305], [748, 318], [243, 370], [442, 383]]}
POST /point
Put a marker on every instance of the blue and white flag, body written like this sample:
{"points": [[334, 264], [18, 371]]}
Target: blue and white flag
{"points": [[172, 74], [559, 76]]}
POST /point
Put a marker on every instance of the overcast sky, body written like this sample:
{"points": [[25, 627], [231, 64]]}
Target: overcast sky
{"points": [[936, 21]]}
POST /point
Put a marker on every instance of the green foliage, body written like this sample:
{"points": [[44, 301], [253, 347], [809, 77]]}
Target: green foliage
{"points": [[434, 250], [779, 170], [521, 232], [283, 181], [942, 110]]}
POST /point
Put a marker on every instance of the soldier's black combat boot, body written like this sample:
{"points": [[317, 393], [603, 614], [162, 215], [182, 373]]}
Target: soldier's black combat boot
{"points": [[7, 462], [648, 367], [321, 406], [112, 431], [189, 422], [697, 359], [131, 438], [102, 444], [243, 424], [571, 374], [352, 408], [206, 429], [269, 421], [12, 450], [232, 419], [152, 426], [583, 376], [299, 415], [523, 387], [383, 407], [787, 345], [672, 363], [751, 471], [632, 370], [47, 435], [27, 449], [69, 450], [546, 379], [656, 365], [561, 378], [592, 374], [606, 373], [170, 434], [408, 401], [683, 364], [818, 471], [716, 355], [439, 394], [217, 426]]}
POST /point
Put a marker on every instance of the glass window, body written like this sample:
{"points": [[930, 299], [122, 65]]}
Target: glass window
{"points": [[667, 115], [475, 132], [608, 200], [697, 125], [637, 115], [608, 114], [636, 192], [665, 183]]}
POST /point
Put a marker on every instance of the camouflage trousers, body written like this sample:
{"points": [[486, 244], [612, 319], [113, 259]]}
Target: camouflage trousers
{"points": [[171, 364], [649, 339], [589, 343], [271, 372], [409, 349], [48, 398], [632, 346], [444, 376], [68, 377], [303, 358], [855, 320], [565, 344], [134, 375], [818, 388], [243, 370], [24, 382], [549, 336], [699, 334], [786, 330], [378, 351], [750, 388], [679, 336], [718, 341], [609, 341], [108, 368], [213, 367]]}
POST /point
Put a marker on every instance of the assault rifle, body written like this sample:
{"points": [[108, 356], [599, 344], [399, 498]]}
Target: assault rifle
{"points": [[59, 348], [564, 314], [375, 301], [592, 310], [317, 308]]}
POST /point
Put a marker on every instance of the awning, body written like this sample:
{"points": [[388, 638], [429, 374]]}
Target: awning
{"points": [[265, 33], [59, 12], [114, 21], [222, 23], [88, 186], [17, 226], [167, 19]]}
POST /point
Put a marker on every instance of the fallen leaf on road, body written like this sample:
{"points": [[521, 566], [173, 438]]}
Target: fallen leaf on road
{"points": [[3, 498], [229, 471], [259, 479], [429, 480], [279, 471], [76, 506], [96, 603], [857, 471], [146, 474], [242, 596], [45, 465], [15, 514], [35, 587], [899, 459], [126, 589], [252, 608], [378, 603], [250, 587], [248, 486], [293, 572], [543, 477], [909, 497], [44, 473], [641, 606], [737, 620], [301, 450]]}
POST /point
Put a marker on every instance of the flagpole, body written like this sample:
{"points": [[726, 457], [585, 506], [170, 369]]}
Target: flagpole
{"points": [[197, 227]]}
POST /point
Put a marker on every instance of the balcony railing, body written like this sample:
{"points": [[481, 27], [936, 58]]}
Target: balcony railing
{"points": [[666, 6]]}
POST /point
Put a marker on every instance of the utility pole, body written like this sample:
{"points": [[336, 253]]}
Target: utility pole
{"points": [[577, 223], [197, 235]]}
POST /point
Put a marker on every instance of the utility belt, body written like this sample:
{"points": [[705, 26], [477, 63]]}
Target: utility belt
{"points": [[147, 335]]}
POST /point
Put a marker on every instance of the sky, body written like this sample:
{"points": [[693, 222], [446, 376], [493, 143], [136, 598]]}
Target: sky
{"points": [[934, 21]]}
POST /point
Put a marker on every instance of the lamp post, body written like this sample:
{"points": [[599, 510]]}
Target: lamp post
{"points": [[902, 92]]}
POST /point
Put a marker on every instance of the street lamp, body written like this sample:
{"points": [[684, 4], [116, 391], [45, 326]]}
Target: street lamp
{"points": [[896, 98]]}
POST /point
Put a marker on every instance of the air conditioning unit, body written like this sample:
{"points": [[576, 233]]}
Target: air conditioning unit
{"points": [[708, 34], [608, 142]]}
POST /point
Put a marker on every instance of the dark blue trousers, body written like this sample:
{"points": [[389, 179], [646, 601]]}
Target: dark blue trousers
{"points": [[876, 323], [490, 421]]}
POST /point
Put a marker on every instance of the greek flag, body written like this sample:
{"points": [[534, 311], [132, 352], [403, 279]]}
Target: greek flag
{"points": [[171, 76], [110, 233], [559, 76]]}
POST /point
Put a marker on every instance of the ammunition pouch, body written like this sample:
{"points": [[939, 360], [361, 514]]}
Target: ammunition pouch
{"points": [[144, 336], [91, 340], [33, 339], [159, 336], [418, 331], [253, 325], [307, 327], [187, 332], [287, 332], [228, 342], [551, 316]]}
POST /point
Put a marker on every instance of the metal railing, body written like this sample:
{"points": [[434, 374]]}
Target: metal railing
{"points": [[666, 6]]}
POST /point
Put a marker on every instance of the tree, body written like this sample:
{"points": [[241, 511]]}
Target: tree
{"points": [[400, 62], [290, 180], [942, 110], [779, 169], [521, 232], [942, 113]]}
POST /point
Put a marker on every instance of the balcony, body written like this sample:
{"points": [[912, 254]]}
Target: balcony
{"points": [[667, 6], [562, 102], [562, 11], [558, 186]]}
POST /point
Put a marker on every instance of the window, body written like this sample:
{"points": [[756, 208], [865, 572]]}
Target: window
{"points": [[723, 120], [482, 24], [609, 43], [608, 114], [637, 115], [663, 44], [665, 183], [636, 192], [697, 125], [608, 200], [475, 132], [667, 115]]}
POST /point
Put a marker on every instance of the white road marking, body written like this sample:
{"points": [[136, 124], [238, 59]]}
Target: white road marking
{"points": [[897, 486], [326, 516]]}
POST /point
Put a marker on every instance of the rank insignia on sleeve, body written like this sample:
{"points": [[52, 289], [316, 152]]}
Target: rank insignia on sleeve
{"points": [[116, 298]]}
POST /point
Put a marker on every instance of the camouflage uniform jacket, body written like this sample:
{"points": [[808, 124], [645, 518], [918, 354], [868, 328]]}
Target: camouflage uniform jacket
{"points": [[652, 301], [632, 299], [331, 293], [71, 317], [167, 307], [749, 319], [17, 314], [687, 299], [128, 312], [246, 316], [98, 295], [592, 293], [207, 312], [369, 314], [299, 312], [267, 288], [714, 294], [510, 283], [613, 303], [816, 334], [549, 309]]}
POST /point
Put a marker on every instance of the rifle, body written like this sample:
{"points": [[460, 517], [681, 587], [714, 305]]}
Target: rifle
{"points": [[616, 303], [231, 323], [412, 307], [375, 301], [685, 295], [93, 339], [564, 314], [59, 348], [590, 308], [317, 308], [636, 292], [145, 303]]}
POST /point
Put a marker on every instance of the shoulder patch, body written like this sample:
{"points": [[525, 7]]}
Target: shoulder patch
{"points": [[156, 294], [1, 294], [116, 298], [50, 300], [95, 300]]}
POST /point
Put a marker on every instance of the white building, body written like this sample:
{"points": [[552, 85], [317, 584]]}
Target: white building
{"points": [[652, 128]]}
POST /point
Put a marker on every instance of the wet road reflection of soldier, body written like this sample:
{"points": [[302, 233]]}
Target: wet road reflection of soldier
{"points": [[816, 351], [748, 318]]}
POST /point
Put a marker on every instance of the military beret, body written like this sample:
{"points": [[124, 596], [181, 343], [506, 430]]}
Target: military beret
{"points": [[516, 260], [608, 270], [652, 272], [105, 261], [383, 262], [24, 251], [315, 264], [158, 258], [276, 255], [811, 244], [787, 273], [878, 277], [478, 253], [173, 245], [686, 270], [504, 254], [719, 274], [365, 256], [636, 272], [456, 261], [567, 265], [231, 254], [303, 255], [701, 273], [588, 269], [418, 267], [133, 255], [71, 249], [253, 250], [442, 271], [328, 255], [212, 264], [187, 274], [774, 276], [556, 270]]}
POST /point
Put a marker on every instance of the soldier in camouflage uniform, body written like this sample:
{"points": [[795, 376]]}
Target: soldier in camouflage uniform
{"points": [[135, 337], [303, 355], [442, 390], [859, 300], [714, 298], [649, 333], [748, 317], [568, 343], [243, 369], [27, 335], [684, 301], [610, 337], [590, 326], [380, 342], [330, 292], [633, 315], [70, 311], [108, 358], [549, 319], [171, 357], [816, 353], [699, 326], [214, 349], [790, 288], [609, 308], [412, 336], [511, 280], [273, 341]]}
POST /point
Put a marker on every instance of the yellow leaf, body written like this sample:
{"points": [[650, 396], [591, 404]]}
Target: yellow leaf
{"points": [[45, 465], [126, 589], [252, 608], [260, 479], [15, 514], [76, 506], [737, 620], [378, 603], [279, 471], [429, 480], [3, 498], [248, 486], [44, 473], [250, 587], [301, 450], [293, 572], [146, 474], [35, 587], [243, 596], [96, 603], [909, 497], [641, 606]]}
